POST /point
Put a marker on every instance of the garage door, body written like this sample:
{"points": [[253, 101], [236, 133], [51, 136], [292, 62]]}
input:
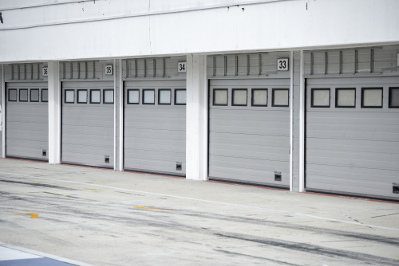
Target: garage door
{"points": [[27, 120], [155, 126], [352, 136], [249, 137], [88, 123]]}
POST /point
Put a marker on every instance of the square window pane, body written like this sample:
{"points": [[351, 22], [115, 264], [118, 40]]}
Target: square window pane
{"points": [[393, 97], [280, 97], [23, 95], [44, 95], [240, 97], [95, 96], [372, 97], [108, 96], [34, 95], [180, 96], [345, 98], [220, 97], [69, 96], [149, 96], [259, 97], [82, 96], [164, 96], [133, 96], [321, 98], [12, 95]]}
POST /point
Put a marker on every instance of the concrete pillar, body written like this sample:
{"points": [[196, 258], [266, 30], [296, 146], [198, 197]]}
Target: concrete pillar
{"points": [[2, 113], [197, 118], [118, 116], [54, 113]]}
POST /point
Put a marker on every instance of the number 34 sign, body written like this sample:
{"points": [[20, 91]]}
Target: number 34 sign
{"points": [[282, 64]]}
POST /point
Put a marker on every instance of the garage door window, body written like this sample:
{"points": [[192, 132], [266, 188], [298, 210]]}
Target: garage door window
{"points": [[82, 96], [44, 95], [34, 95], [259, 97], [280, 98], [149, 96], [345, 97], [23, 95], [180, 96], [220, 97], [95, 96], [239, 97], [164, 96], [108, 96], [69, 96], [321, 98], [372, 97], [12, 95], [133, 96], [394, 97]]}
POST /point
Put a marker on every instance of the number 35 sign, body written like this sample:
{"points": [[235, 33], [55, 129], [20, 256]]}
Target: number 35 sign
{"points": [[282, 64]]}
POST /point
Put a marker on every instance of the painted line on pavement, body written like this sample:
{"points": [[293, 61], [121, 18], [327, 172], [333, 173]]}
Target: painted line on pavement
{"points": [[211, 201]]}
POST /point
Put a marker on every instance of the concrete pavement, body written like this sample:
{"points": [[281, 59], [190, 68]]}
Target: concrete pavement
{"points": [[103, 217]]}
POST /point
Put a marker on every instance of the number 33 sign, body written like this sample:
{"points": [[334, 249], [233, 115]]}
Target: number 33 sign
{"points": [[282, 64]]}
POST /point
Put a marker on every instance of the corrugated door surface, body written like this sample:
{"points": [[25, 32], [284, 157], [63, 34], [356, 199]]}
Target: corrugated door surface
{"points": [[249, 131], [155, 126], [352, 136], [88, 123], [27, 120]]}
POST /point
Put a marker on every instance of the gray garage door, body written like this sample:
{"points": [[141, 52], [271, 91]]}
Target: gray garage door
{"points": [[88, 123], [27, 120], [249, 134], [352, 136], [155, 126]]}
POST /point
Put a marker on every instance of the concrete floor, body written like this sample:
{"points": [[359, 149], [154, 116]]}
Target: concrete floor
{"points": [[103, 217]]}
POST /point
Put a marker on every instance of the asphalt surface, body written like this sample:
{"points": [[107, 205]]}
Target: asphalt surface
{"points": [[103, 217]]}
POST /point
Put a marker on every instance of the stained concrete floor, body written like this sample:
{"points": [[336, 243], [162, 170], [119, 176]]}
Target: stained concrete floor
{"points": [[104, 217]]}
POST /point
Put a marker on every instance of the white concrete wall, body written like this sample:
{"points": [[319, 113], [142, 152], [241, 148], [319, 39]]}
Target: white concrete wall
{"points": [[58, 30]]}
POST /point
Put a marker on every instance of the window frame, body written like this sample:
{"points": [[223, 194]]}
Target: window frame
{"points": [[232, 96], [336, 98], [390, 97], [113, 96], [213, 97], [16, 95], [41, 96], [177, 90], [288, 97], [143, 97], [371, 88], [65, 96], [38, 96], [159, 96], [77, 96], [128, 96], [312, 98], [252, 97], [27, 95], [91, 96]]}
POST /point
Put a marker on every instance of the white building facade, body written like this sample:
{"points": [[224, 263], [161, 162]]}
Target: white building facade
{"points": [[302, 95]]}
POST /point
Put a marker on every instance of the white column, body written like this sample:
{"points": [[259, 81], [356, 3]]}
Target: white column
{"points": [[54, 113], [197, 118], [302, 110]]}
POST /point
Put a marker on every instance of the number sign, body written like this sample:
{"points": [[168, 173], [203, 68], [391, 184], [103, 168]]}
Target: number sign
{"points": [[45, 72], [108, 70], [282, 64], [181, 67]]}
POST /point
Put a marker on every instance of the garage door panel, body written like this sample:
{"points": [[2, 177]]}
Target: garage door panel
{"points": [[26, 123], [87, 128], [248, 143], [155, 134], [341, 171], [353, 150]]}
